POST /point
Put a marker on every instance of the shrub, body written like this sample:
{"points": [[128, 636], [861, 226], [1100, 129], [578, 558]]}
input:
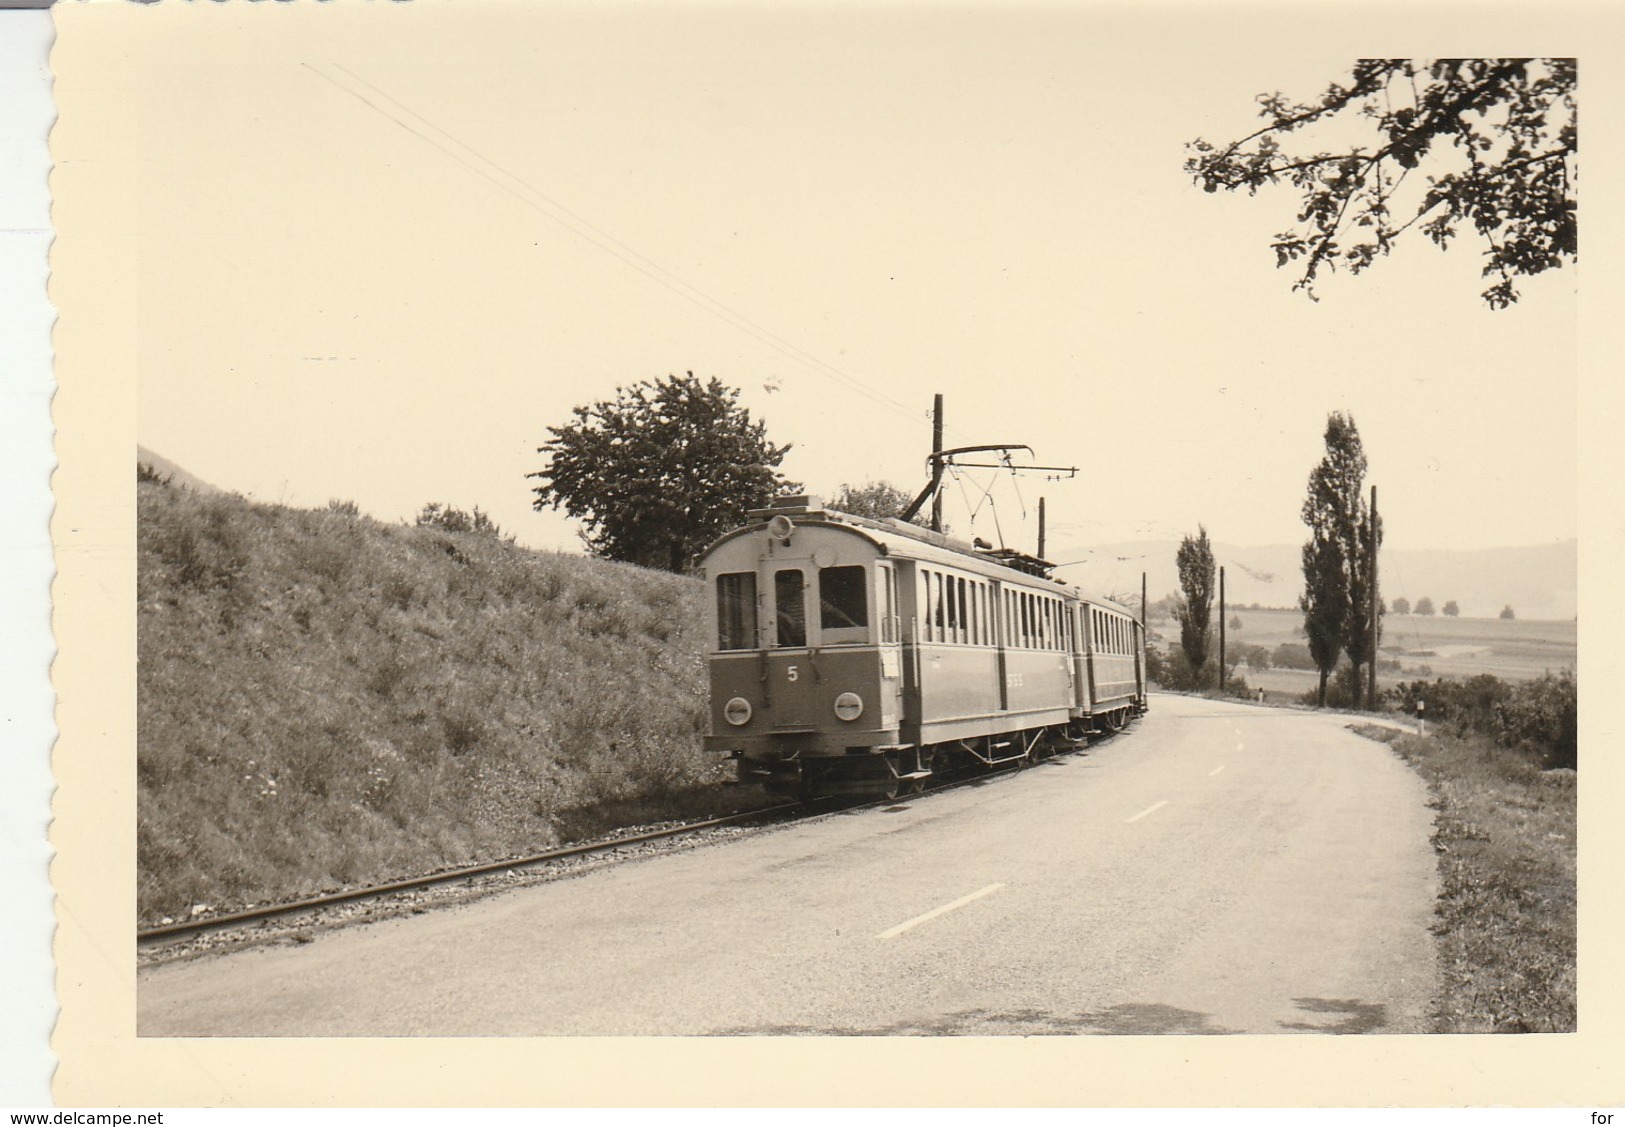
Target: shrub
{"points": [[1291, 655], [1340, 689], [1539, 717], [1542, 716], [449, 518], [1172, 670]]}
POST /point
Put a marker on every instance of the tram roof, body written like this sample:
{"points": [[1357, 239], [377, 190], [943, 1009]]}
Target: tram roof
{"points": [[896, 537]]}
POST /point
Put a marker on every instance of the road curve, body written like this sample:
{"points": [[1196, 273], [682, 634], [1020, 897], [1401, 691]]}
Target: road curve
{"points": [[1222, 868]]}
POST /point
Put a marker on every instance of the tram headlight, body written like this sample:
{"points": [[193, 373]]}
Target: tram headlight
{"points": [[848, 706], [737, 711]]}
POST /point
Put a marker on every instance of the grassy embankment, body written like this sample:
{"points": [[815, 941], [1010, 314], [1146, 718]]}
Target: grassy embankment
{"points": [[1505, 921], [326, 700]]}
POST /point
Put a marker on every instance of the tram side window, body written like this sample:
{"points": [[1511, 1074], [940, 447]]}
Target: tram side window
{"points": [[736, 611], [843, 601], [790, 601]]}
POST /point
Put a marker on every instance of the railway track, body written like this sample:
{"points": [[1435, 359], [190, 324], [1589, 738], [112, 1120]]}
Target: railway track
{"points": [[155, 938], [170, 932]]}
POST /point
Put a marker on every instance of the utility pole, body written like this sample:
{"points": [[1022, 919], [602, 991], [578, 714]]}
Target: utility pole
{"points": [[1040, 528], [1145, 616], [936, 449], [1221, 631], [1376, 605]]}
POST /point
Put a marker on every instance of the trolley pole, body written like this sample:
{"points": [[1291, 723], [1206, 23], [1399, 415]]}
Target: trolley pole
{"points": [[1145, 615], [936, 449], [1376, 606], [1221, 631], [1040, 528]]}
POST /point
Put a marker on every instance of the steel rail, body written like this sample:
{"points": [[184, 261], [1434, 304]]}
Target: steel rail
{"points": [[190, 927], [327, 900]]}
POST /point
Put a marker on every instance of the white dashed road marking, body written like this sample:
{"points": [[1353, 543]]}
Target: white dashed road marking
{"points": [[1215, 770], [894, 932], [1148, 810]]}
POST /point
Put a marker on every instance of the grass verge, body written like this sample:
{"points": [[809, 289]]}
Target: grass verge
{"points": [[1505, 920], [325, 700]]}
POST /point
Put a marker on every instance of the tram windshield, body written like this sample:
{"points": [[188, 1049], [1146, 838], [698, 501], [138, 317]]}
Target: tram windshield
{"points": [[843, 605]]}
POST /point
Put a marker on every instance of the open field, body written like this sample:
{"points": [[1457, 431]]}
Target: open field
{"points": [[1425, 647]]}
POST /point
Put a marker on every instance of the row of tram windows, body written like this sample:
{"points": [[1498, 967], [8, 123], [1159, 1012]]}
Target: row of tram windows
{"points": [[843, 607], [962, 610], [1112, 634]]}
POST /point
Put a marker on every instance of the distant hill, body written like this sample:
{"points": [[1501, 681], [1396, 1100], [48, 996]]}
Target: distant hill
{"points": [[176, 475], [1537, 581]]}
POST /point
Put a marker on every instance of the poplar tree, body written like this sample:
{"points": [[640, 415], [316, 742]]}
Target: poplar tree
{"points": [[1337, 556], [1195, 607]]}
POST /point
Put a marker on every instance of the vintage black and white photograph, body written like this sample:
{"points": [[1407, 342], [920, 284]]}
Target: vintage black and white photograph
{"points": [[909, 522]]}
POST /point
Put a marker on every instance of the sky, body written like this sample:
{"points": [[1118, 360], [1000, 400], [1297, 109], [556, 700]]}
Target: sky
{"points": [[380, 248], [376, 265]]}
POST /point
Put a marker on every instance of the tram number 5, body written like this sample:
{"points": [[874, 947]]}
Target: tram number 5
{"points": [[793, 673]]}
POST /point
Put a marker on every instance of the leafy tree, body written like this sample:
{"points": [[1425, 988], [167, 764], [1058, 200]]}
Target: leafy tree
{"points": [[1255, 657], [1495, 139], [1424, 605], [875, 499], [1336, 562], [661, 471], [1402, 605], [1194, 609], [1506, 612], [1451, 610]]}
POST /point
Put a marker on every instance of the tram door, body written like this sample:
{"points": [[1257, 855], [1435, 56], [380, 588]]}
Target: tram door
{"points": [[890, 623], [790, 675], [1001, 635]]}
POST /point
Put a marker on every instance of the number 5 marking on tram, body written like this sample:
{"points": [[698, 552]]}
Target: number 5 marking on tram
{"points": [[794, 673]]}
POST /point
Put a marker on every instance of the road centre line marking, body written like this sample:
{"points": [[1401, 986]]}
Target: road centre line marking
{"points": [[1148, 810], [1215, 770], [894, 932]]}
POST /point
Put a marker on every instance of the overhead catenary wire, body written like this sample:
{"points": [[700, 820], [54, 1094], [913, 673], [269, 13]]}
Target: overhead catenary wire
{"points": [[495, 174]]}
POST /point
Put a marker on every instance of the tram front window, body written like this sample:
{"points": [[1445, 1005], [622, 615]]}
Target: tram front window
{"points": [[843, 604]]}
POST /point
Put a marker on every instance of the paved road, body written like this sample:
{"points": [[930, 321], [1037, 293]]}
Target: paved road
{"points": [[1220, 869]]}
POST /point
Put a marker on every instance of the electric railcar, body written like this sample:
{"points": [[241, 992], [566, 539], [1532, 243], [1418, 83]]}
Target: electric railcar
{"points": [[856, 656]]}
